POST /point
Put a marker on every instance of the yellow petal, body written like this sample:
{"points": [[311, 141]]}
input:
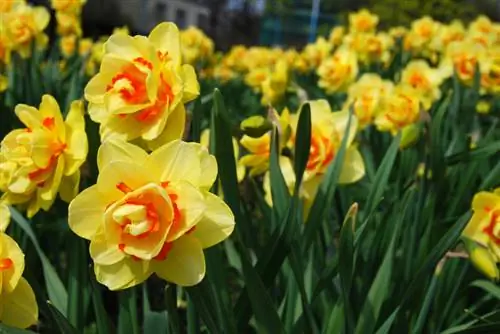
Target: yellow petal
{"points": [[191, 204], [123, 274], [69, 186], [76, 139], [485, 201], [118, 150], [49, 108], [340, 121], [185, 262], [482, 259], [47, 193], [173, 129], [131, 174], [126, 128], [353, 168], [10, 249], [208, 165], [170, 162], [96, 88], [475, 227], [191, 84], [41, 17], [165, 38], [104, 254], [19, 306], [4, 217], [42, 149], [86, 212], [123, 46], [30, 116], [217, 223]]}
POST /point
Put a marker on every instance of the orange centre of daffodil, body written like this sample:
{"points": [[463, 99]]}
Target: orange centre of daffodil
{"points": [[138, 218], [417, 80], [466, 65], [493, 228], [401, 113], [321, 152], [57, 149], [131, 85], [6, 264]]}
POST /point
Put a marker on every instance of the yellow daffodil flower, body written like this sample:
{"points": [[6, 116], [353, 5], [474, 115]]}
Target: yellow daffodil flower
{"points": [[401, 109], [8, 5], [337, 72], [68, 6], [418, 39], [424, 79], [259, 148], [314, 54], [367, 97], [44, 158], [195, 45], [336, 36], [142, 86], [68, 24], [463, 57], [327, 131], [150, 214], [275, 85], [363, 21], [25, 24], [18, 307], [68, 45]]}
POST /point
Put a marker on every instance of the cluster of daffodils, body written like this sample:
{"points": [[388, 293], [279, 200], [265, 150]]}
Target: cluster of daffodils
{"points": [[327, 131], [147, 213], [68, 16], [21, 27], [18, 307]]}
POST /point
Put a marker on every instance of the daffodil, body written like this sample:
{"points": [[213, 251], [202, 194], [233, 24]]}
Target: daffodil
{"points": [[18, 306], [44, 158], [141, 87], [68, 45], [23, 25], [424, 79], [275, 85], [195, 45], [463, 57], [68, 6], [363, 21], [68, 24], [418, 40], [401, 109], [337, 72], [327, 131], [150, 214], [314, 54], [367, 97], [483, 229], [259, 148]]}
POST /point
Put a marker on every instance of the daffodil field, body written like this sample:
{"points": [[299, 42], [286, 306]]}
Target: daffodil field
{"points": [[150, 184]]}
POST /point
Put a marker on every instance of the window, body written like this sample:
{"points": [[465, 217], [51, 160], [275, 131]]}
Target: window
{"points": [[180, 18], [161, 11]]}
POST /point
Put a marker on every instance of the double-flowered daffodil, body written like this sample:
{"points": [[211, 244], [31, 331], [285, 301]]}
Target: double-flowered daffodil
{"points": [[44, 158], [482, 233], [142, 86], [18, 306], [338, 71], [327, 131], [151, 213]]}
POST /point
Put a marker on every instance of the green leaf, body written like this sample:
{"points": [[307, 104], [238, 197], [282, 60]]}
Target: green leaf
{"points": [[60, 321], [154, 322], [77, 280], [128, 322], [55, 288], [346, 264], [382, 176], [302, 144], [279, 189], [379, 290], [488, 286], [325, 192], [482, 152], [335, 321], [201, 296], [101, 316], [172, 311], [4, 329]]}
